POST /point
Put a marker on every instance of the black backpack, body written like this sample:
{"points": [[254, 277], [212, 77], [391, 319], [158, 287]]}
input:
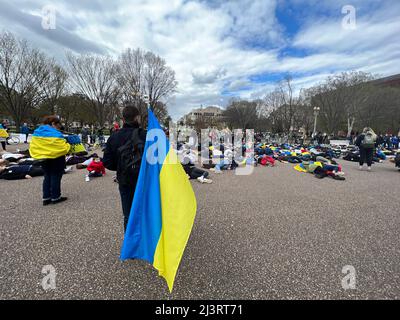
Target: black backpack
{"points": [[129, 159]]}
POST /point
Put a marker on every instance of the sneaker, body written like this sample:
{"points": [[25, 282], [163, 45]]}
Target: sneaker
{"points": [[87, 179], [339, 178], [68, 169], [61, 199], [200, 179], [46, 202], [369, 168], [361, 167], [205, 180]]}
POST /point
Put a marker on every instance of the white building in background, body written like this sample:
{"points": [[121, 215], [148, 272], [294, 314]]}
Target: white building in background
{"points": [[210, 113]]}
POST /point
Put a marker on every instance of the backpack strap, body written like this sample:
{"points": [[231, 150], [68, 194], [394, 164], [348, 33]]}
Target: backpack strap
{"points": [[135, 135], [137, 142]]}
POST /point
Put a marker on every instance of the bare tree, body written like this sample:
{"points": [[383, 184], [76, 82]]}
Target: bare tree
{"points": [[381, 111], [280, 106], [304, 116], [55, 85], [241, 114], [341, 97], [289, 101], [96, 78], [159, 78], [272, 111], [23, 74], [131, 75], [272, 102], [354, 89], [198, 123], [331, 105], [144, 73], [74, 107]]}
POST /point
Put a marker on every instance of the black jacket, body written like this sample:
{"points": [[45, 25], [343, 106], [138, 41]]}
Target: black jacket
{"points": [[359, 139], [54, 166], [116, 140], [397, 160]]}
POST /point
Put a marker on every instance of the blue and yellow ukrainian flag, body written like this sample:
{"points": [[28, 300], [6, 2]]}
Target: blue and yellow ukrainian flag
{"points": [[48, 143], [3, 132], [163, 209]]}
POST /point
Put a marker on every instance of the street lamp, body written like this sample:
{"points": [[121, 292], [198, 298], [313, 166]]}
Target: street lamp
{"points": [[139, 96], [316, 112], [146, 99]]}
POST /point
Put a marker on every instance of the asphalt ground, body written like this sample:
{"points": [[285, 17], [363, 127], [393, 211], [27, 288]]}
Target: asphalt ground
{"points": [[275, 234]]}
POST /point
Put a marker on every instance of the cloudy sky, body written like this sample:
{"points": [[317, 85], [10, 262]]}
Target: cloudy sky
{"points": [[221, 49]]}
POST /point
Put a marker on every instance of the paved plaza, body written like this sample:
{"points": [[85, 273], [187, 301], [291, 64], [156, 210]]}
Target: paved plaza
{"points": [[276, 234]]}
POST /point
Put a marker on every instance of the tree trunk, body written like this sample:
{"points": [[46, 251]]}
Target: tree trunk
{"points": [[18, 125], [350, 125]]}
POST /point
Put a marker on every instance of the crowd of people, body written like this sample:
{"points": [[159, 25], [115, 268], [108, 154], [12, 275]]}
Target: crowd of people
{"points": [[5, 134], [88, 135], [52, 154]]}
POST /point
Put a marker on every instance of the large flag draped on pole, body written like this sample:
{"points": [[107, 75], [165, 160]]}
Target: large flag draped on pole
{"points": [[163, 209]]}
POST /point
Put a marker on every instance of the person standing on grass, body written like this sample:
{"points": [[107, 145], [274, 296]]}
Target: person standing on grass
{"points": [[366, 142], [123, 153]]}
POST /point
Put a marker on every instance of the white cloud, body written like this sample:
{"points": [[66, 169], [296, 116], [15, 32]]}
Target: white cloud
{"points": [[207, 75], [217, 46]]}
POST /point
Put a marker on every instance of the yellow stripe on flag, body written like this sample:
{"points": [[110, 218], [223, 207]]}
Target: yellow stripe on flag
{"points": [[178, 207], [3, 133], [48, 148]]}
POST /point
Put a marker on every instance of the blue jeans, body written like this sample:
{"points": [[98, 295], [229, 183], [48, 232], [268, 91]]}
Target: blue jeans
{"points": [[52, 186], [95, 174], [221, 166], [329, 167], [53, 171]]}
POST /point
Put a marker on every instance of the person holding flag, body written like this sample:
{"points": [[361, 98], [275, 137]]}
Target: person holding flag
{"points": [[163, 209], [123, 153]]}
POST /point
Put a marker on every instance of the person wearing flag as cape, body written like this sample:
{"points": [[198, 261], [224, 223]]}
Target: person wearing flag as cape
{"points": [[48, 144], [3, 136]]}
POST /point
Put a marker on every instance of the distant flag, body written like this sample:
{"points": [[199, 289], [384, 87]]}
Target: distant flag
{"points": [[163, 209]]}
